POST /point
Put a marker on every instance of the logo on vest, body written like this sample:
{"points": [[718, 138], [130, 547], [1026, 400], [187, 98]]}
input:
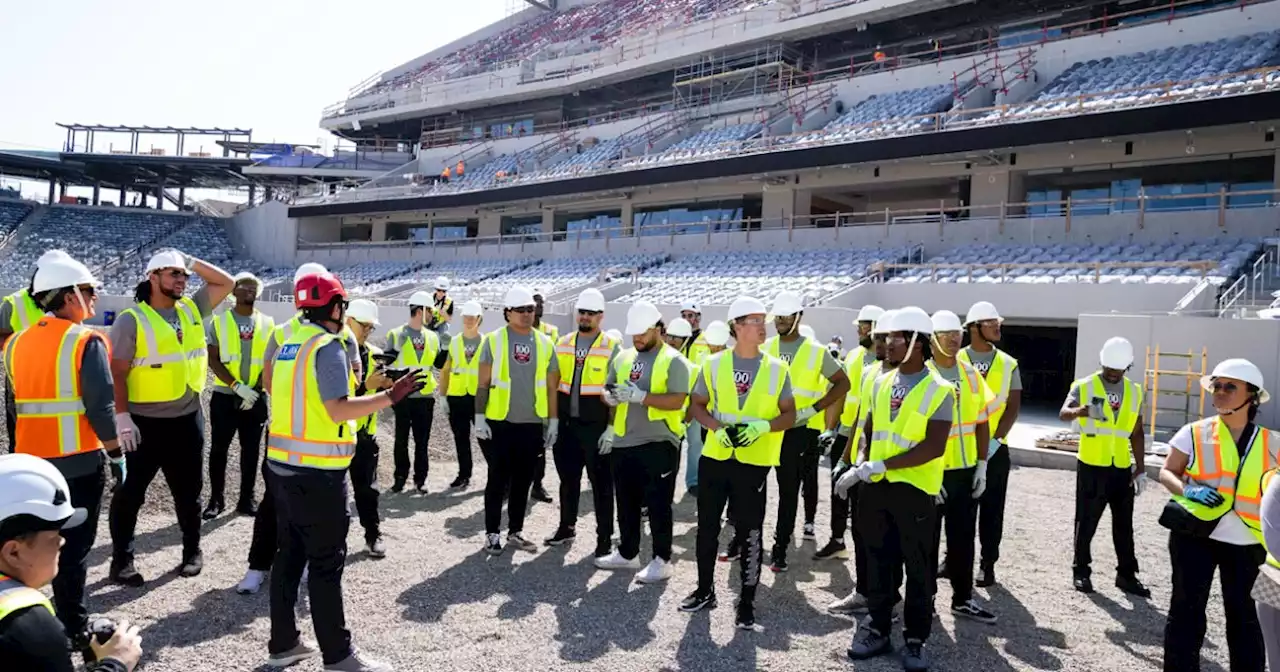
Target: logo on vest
{"points": [[246, 332], [521, 352], [787, 357], [580, 355], [288, 352], [896, 395], [1114, 400], [742, 380], [637, 370], [470, 350], [982, 367]]}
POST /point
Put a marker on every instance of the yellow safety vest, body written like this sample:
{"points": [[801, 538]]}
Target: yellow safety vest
{"points": [[464, 374], [1105, 443], [440, 313], [550, 330], [972, 401], [369, 423], [901, 434], [285, 331], [23, 310], [499, 403], [762, 404], [16, 596], [408, 355], [1217, 464], [595, 368], [807, 382], [853, 368], [302, 433], [163, 368], [657, 385], [229, 351], [699, 349], [870, 374], [998, 378]]}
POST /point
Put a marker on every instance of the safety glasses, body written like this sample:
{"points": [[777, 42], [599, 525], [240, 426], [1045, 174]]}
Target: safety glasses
{"points": [[522, 309], [1226, 387], [589, 313], [751, 321]]}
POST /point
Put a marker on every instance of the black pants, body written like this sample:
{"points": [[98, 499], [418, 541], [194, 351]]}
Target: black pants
{"points": [[646, 476], [413, 414], [174, 446], [462, 412], [262, 548], [897, 522], [226, 420], [73, 563], [1097, 488], [797, 469], [311, 516], [364, 481], [991, 507], [960, 516], [741, 486], [512, 458], [1194, 561], [576, 450]]}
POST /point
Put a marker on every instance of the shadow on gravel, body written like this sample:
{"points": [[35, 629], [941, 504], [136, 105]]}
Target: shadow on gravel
{"points": [[698, 651], [155, 540], [1033, 645], [1141, 625], [212, 615], [117, 596], [405, 505], [617, 612]]}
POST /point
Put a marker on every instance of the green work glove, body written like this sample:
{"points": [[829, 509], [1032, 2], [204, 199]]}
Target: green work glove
{"points": [[753, 431]]}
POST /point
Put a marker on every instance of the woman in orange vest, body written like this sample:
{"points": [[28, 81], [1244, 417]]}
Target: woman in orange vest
{"points": [[61, 376]]}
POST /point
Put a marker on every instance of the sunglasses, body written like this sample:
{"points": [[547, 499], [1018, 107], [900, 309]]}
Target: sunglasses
{"points": [[1224, 387], [522, 309], [751, 321], [589, 313], [88, 290]]}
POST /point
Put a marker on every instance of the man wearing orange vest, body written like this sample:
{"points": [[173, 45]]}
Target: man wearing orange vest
{"points": [[61, 377]]}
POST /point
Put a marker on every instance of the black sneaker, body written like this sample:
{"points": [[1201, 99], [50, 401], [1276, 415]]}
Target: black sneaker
{"points": [[421, 488], [644, 513], [913, 658], [693, 491], [192, 565], [778, 559], [562, 536], [539, 493], [809, 532], [746, 616], [974, 612], [247, 509], [397, 486], [126, 574], [986, 577], [731, 552], [868, 643], [214, 510], [699, 600], [1082, 584], [604, 547], [834, 549], [493, 544], [460, 482], [1130, 584]]}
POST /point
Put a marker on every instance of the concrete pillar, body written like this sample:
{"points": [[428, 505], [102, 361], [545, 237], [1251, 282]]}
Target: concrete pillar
{"points": [[124, 193], [628, 219], [53, 186], [159, 197], [548, 221], [780, 206], [1275, 175], [253, 192], [378, 231], [988, 189], [490, 225], [97, 192], [62, 190], [182, 197]]}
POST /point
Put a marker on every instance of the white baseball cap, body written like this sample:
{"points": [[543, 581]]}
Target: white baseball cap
{"points": [[641, 317]]}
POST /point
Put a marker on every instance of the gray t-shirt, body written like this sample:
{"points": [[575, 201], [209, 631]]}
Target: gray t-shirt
{"points": [[1115, 394], [744, 374], [332, 371], [982, 362], [124, 345], [408, 337], [640, 429], [522, 358], [902, 384], [6, 315], [246, 327], [787, 351], [581, 345]]}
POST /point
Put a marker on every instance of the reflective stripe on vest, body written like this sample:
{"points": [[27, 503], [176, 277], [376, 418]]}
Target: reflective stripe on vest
{"points": [[464, 374], [23, 311], [657, 385], [968, 411], [999, 377], [807, 382], [1105, 443], [302, 433], [407, 356], [761, 404], [163, 368], [854, 366], [699, 349], [1217, 464], [43, 363], [499, 403], [16, 596], [231, 352], [595, 368], [892, 437], [550, 330]]}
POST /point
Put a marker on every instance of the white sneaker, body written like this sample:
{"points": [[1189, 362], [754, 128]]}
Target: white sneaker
{"points": [[252, 582], [615, 561], [852, 604], [657, 570], [358, 662]]}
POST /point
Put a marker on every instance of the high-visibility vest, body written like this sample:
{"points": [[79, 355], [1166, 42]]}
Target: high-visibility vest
{"points": [[464, 374], [163, 368], [1217, 464], [972, 403], [550, 330], [699, 349], [870, 374], [43, 363], [408, 356], [499, 403], [657, 385], [284, 332], [808, 385], [23, 311], [230, 352], [302, 433], [999, 377], [761, 404], [853, 368], [1105, 443], [1271, 552], [441, 311], [369, 423], [16, 596], [895, 437], [595, 368]]}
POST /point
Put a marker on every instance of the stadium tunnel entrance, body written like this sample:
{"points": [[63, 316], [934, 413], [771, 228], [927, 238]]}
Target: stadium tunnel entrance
{"points": [[1047, 359]]}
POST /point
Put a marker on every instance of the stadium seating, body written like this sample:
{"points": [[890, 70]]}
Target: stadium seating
{"points": [[12, 213], [462, 274], [902, 110], [706, 143], [557, 275], [1230, 253], [370, 277], [485, 176]]}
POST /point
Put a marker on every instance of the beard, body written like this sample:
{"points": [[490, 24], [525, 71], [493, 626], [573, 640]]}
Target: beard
{"points": [[646, 347], [584, 328]]}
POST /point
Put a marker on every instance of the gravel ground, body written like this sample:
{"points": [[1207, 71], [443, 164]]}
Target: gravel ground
{"points": [[439, 603]]}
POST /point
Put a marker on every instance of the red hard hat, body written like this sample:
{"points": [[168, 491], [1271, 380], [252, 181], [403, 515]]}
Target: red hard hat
{"points": [[317, 290]]}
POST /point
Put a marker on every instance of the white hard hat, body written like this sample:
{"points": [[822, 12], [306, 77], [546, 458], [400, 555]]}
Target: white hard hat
{"points": [[590, 299], [518, 297], [981, 311], [472, 309], [61, 272], [1116, 353], [786, 303], [536, 291], [882, 323], [945, 320], [32, 486], [641, 317], [869, 313], [911, 318], [1240, 369], [746, 305], [680, 328], [442, 283], [363, 310], [717, 334], [50, 256], [309, 268], [614, 334], [691, 307], [421, 298], [807, 331], [165, 259], [246, 275]]}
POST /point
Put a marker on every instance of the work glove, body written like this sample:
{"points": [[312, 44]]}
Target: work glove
{"points": [[127, 432], [119, 471], [605, 444], [847, 480], [404, 386], [630, 394], [482, 428], [1202, 494], [869, 469], [248, 396], [552, 432], [992, 446], [752, 431], [1139, 485], [839, 469], [722, 435], [611, 396], [803, 415], [826, 440], [980, 479]]}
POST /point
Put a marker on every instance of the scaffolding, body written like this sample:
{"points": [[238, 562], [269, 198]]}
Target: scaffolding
{"points": [[719, 76], [1174, 394]]}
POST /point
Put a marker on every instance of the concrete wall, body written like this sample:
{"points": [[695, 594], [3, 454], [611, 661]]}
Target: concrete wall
{"points": [[270, 234]]}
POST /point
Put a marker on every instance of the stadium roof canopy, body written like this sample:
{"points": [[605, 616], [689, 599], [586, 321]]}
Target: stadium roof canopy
{"points": [[131, 171]]}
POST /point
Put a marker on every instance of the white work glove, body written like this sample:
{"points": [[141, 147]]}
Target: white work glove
{"points": [[605, 444], [803, 415], [1139, 483], [553, 431], [630, 394], [611, 396], [826, 440], [247, 394], [482, 428], [980, 479], [869, 469], [846, 481], [127, 432]]}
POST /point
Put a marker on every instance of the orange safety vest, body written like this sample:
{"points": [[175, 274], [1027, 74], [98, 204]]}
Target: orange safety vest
{"points": [[44, 369], [445, 172]]}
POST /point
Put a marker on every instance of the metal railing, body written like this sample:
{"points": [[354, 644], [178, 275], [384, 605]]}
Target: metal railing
{"points": [[1251, 286], [1094, 272]]}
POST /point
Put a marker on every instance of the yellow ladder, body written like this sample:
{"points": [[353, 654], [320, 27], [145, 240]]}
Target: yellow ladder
{"points": [[1174, 395]]}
